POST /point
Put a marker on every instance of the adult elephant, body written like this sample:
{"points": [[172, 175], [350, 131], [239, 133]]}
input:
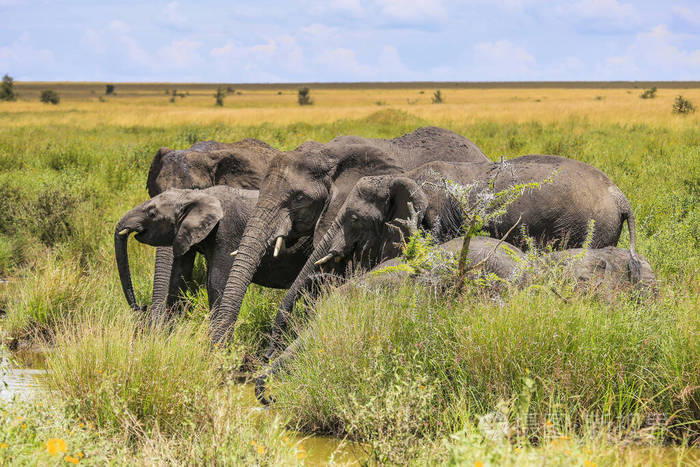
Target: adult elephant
{"points": [[241, 164], [559, 213], [303, 190], [208, 221]]}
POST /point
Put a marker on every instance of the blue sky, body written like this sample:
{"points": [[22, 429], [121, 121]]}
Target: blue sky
{"points": [[350, 40]]}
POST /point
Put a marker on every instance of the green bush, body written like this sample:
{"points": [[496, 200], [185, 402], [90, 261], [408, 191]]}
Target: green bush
{"points": [[304, 96], [683, 106], [437, 97], [648, 93], [49, 96], [219, 96], [7, 89]]}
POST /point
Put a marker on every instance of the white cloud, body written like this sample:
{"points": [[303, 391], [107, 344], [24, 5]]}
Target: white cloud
{"points": [[602, 15], [502, 60], [265, 61], [413, 11], [180, 54], [685, 13], [655, 54], [172, 14], [21, 57], [345, 61], [348, 6]]}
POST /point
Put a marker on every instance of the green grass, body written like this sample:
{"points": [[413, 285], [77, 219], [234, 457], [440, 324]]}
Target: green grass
{"points": [[401, 371]]}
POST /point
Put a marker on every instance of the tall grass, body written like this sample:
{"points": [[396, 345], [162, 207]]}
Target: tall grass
{"points": [[398, 365]]}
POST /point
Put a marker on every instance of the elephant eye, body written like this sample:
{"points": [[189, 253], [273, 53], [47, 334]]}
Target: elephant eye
{"points": [[152, 213], [300, 197], [354, 218]]}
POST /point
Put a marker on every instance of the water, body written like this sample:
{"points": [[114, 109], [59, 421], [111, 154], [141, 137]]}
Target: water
{"points": [[21, 374]]}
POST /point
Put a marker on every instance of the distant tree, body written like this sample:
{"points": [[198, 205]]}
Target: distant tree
{"points": [[437, 97], [683, 106], [49, 96], [304, 97], [219, 96], [648, 93], [7, 89], [109, 89], [230, 90]]}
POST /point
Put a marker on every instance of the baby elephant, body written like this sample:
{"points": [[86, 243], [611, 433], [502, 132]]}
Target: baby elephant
{"points": [[210, 222]]}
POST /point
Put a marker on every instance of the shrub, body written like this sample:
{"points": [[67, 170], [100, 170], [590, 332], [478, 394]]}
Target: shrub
{"points": [[648, 93], [7, 89], [219, 96], [683, 106], [230, 90], [49, 96], [437, 97], [109, 89], [304, 96]]}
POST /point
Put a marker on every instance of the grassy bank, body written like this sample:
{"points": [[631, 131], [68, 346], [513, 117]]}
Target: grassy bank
{"points": [[408, 375]]}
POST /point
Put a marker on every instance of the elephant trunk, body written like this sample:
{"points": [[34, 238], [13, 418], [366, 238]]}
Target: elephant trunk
{"points": [[121, 235], [161, 281], [256, 238], [301, 283]]}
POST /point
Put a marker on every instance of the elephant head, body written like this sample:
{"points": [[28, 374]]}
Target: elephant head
{"points": [[299, 197], [177, 218], [364, 231], [241, 164]]}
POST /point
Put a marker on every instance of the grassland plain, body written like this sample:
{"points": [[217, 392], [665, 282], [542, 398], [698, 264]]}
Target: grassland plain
{"points": [[405, 373]]}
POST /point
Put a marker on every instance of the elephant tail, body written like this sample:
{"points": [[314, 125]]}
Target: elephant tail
{"points": [[635, 266]]}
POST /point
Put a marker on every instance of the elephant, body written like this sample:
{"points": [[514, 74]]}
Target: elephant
{"points": [[208, 221], [363, 231], [303, 190], [241, 164], [590, 267]]}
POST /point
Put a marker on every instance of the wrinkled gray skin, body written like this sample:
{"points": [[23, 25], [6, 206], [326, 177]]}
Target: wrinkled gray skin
{"points": [[608, 267], [241, 164], [210, 222], [304, 189], [557, 213]]}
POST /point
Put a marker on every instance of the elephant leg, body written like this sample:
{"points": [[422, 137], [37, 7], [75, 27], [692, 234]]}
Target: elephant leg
{"points": [[182, 266], [278, 364], [161, 281], [218, 268]]}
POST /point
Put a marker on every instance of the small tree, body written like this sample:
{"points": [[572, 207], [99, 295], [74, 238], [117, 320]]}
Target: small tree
{"points": [[7, 89], [230, 90], [49, 96], [109, 89], [683, 106], [219, 96], [649, 93], [437, 97], [304, 96]]}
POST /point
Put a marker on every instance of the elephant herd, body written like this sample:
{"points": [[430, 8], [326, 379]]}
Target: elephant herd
{"points": [[278, 218]]}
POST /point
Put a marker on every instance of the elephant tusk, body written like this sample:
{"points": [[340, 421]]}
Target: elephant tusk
{"points": [[324, 259], [234, 253], [278, 246], [124, 232]]}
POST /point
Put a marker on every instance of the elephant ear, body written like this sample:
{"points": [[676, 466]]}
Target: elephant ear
{"points": [[402, 191], [154, 171], [198, 215]]}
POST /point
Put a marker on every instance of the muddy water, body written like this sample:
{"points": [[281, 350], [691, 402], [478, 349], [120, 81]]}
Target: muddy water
{"points": [[320, 449], [20, 375], [21, 378]]}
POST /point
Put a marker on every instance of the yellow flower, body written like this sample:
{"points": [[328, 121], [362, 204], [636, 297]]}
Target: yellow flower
{"points": [[3, 445], [478, 464], [589, 464], [564, 437], [80, 454], [19, 417], [285, 439], [24, 425], [568, 453], [261, 449], [517, 449], [301, 455], [81, 425], [72, 460], [253, 443], [56, 446], [548, 423]]}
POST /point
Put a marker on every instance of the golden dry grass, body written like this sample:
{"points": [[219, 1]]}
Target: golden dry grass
{"points": [[149, 106]]}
